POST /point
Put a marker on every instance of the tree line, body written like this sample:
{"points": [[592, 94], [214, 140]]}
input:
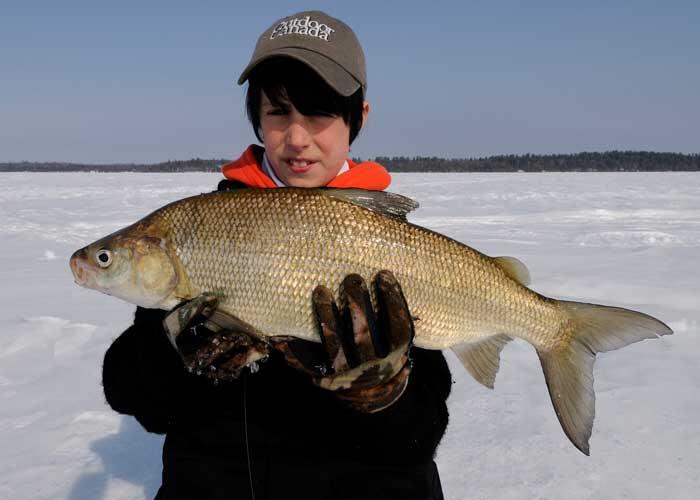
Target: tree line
{"points": [[192, 165], [609, 161]]}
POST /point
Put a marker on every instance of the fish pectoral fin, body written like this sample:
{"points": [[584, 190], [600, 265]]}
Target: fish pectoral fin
{"points": [[219, 320], [514, 268], [215, 318], [482, 359], [568, 368], [391, 204]]}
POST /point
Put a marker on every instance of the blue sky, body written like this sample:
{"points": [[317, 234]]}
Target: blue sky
{"points": [[97, 81]]}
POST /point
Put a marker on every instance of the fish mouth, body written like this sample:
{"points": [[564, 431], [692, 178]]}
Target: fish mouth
{"points": [[79, 267]]}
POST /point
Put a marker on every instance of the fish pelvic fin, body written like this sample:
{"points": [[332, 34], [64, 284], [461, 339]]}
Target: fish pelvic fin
{"points": [[568, 367], [482, 359]]}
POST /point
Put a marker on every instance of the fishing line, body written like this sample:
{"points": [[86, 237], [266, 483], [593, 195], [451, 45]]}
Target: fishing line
{"points": [[245, 432]]}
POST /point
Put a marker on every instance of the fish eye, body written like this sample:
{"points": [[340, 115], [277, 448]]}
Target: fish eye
{"points": [[103, 257]]}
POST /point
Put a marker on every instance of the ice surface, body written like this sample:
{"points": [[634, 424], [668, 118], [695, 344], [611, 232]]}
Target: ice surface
{"points": [[631, 240]]}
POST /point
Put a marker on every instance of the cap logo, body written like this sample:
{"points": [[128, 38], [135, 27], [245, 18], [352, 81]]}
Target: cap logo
{"points": [[302, 26]]}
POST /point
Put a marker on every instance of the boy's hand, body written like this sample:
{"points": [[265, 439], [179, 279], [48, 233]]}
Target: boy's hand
{"points": [[364, 356], [211, 342]]}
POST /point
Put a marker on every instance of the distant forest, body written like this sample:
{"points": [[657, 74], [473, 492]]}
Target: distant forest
{"points": [[609, 161]]}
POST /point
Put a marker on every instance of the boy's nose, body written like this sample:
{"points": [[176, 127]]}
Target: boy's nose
{"points": [[297, 136]]}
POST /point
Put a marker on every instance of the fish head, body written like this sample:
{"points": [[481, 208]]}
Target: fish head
{"points": [[128, 264]]}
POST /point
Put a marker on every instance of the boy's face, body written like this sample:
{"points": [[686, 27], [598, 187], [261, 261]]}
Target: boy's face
{"points": [[304, 151]]}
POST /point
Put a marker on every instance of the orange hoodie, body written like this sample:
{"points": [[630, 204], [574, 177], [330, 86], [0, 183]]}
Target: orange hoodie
{"points": [[247, 169]]}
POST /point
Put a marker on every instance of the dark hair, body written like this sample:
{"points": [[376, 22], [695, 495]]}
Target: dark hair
{"points": [[286, 80]]}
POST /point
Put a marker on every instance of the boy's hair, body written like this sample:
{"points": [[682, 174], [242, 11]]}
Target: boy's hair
{"points": [[286, 80]]}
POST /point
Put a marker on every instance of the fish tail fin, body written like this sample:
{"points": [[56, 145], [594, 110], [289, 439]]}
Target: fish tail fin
{"points": [[568, 367]]}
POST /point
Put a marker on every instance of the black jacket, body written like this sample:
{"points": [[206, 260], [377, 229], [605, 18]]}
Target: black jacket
{"points": [[301, 441]]}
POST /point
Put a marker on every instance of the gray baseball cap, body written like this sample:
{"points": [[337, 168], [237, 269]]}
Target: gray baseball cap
{"points": [[324, 43]]}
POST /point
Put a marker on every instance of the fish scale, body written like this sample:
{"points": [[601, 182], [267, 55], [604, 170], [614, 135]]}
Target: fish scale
{"points": [[264, 260]]}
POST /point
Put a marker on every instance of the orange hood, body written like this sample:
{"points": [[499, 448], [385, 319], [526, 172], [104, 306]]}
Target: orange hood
{"points": [[247, 169]]}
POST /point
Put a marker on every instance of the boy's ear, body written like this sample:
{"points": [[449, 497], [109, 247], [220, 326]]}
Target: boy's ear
{"points": [[365, 112]]}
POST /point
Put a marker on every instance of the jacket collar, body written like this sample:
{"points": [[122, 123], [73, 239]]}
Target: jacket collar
{"points": [[248, 170]]}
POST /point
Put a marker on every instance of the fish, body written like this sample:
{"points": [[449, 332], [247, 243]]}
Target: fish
{"points": [[262, 252]]}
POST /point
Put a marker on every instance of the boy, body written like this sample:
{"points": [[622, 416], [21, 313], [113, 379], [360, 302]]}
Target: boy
{"points": [[279, 433]]}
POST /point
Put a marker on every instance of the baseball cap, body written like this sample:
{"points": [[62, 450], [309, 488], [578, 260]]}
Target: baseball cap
{"points": [[325, 44]]}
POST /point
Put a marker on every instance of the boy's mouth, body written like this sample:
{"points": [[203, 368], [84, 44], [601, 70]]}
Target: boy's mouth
{"points": [[299, 165]]}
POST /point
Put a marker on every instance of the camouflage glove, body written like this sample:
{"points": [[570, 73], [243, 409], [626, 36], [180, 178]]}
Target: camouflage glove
{"points": [[211, 342], [364, 357]]}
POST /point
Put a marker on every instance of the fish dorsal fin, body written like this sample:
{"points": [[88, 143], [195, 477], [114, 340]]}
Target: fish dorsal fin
{"points": [[482, 359], [514, 268], [391, 204]]}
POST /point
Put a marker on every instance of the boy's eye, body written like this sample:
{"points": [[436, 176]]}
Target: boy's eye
{"points": [[277, 111]]}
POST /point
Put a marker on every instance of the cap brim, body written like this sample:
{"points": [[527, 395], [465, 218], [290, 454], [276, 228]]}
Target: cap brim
{"points": [[331, 72]]}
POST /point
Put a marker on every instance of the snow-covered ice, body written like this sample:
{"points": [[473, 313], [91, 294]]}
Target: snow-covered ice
{"points": [[627, 239]]}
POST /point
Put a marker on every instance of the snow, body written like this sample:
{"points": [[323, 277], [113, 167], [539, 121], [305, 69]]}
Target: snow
{"points": [[626, 239]]}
